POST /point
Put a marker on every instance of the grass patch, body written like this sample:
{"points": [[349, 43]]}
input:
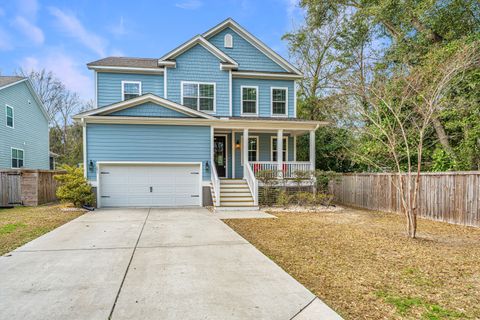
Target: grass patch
{"points": [[23, 224], [362, 264], [9, 228]]}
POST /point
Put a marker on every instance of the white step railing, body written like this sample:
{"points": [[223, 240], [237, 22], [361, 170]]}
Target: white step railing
{"points": [[252, 183], [289, 168], [216, 185]]}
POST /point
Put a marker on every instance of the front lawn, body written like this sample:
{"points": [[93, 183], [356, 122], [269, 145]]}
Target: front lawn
{"points": [[22, 224], [363, 266]]}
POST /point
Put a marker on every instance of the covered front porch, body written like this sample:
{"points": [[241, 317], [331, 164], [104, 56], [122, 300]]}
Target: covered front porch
{"points": [[232, 149], [243, 152]]}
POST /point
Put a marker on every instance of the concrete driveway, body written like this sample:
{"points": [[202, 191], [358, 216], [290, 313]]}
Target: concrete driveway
{"points": [[149, 264]]}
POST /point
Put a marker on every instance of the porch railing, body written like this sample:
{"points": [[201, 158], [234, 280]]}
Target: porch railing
{"points": [[252, 184], [289, 168], [216, 185]]}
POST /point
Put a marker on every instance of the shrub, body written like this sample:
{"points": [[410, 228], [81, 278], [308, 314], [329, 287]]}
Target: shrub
{"points": [[305, 199], [269, 180], [284, 199], [74, 188], [299, 176], [323, 199], [323, 178]]}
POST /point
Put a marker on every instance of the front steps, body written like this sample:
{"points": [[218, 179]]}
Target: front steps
{"points": [[235, 195]]}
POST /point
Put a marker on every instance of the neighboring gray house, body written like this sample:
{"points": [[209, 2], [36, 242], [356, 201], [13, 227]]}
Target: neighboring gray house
{"points": [[24, 141], [201, 120]]}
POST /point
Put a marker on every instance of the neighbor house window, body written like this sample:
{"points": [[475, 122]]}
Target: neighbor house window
{"points": [[131, 89], [253, 149], [199, 96], [9, 114], [274, 148], [249, 100], [17, 158], [279, 101]]}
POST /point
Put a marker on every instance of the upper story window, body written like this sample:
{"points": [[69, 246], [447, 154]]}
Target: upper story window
{"points": [[199, 96], [17, 158], [131, 89], [228, 41], [279, 101], [249, 100], [9, 116]]}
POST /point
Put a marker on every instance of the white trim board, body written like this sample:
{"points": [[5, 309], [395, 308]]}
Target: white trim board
{"points": [[198, 98], [166, 59], [256, 102], [140, 100], [285, 143], [124, 82], [285, 115], [226, 152]]}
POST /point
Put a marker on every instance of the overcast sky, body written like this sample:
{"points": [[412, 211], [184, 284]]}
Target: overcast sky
{"points": [[62, 36]]}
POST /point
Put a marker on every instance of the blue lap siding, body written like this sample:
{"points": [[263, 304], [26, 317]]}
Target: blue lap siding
{"points": [[264, 95], [264, 150], [245, 54], [199, 65], [29, 132], [149, 110], [156, 143], [109, 85]]}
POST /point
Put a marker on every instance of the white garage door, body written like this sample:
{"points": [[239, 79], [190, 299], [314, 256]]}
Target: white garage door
{"points": [[166, 185]]}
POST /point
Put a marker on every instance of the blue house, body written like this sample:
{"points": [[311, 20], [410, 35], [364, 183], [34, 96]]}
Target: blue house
{"points": [[195, 126], [24, 141]]}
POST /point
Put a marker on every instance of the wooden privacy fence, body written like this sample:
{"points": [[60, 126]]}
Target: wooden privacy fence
{"points": [[452, 197], [27, 187]]}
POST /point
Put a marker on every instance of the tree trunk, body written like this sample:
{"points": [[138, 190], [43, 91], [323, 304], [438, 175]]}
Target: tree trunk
{"points": [[442, 136]]}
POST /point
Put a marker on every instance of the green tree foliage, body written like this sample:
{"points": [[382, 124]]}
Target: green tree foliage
{"points": [[352, 45], [74, 188]]}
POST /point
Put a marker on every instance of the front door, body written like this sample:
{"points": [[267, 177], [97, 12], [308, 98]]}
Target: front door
{"points": [[220, 155]]}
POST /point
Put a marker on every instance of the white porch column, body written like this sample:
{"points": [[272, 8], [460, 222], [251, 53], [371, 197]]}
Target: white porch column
{"points": [[312, 150], [245, 151], [280, 153]]}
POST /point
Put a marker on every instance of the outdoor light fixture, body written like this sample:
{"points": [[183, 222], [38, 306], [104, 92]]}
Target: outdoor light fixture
{"points": [[207, 166], [237, 145], [90, 165]]}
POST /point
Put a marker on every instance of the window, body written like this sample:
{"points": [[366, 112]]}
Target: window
{"points": [[279, 101], [17, 158], [131, 89], [253, 149], [249, 100], [228, 41], [199, 96], [274, 148], [9, 114]]}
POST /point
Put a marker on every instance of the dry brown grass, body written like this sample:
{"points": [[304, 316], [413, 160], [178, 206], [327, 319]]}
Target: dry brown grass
{"points": [[23, 224], [362, 264]]}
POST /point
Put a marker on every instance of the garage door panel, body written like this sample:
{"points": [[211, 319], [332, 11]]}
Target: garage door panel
{"points": [[150, 185]]}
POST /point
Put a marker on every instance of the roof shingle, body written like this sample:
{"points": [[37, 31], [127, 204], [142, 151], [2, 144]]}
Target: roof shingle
{"points": [[6, 80], [126, 62]]}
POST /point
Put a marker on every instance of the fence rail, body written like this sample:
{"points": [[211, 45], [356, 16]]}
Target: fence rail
{"points": [[452, 197], [27, 187]]}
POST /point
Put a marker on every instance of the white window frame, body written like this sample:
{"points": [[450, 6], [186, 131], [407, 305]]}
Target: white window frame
{"points": [[241, 101], [241, 147], [6, 116], [286, 102], [11, 157], [285, 143], [228, 41], [131, 82], [198, 83]]}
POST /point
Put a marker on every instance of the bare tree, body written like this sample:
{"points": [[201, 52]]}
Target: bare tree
{"points": [[399, 113]]}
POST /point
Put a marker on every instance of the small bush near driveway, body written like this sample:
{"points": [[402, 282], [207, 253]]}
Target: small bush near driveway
{"points": [[362, 265], [74, 188], [23, 224]]}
